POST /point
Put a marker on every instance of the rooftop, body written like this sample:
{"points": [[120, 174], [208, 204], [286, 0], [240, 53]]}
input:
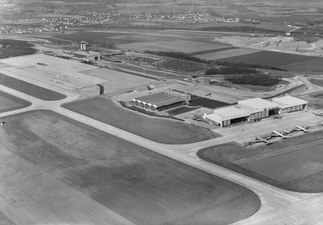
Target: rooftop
{"points": [[228, 113], [257, 104], [289, 101], [160, 99]]}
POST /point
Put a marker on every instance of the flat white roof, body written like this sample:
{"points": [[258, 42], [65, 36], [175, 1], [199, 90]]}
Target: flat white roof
{"points": [[227, 113], [255, 104], [289, 101]]}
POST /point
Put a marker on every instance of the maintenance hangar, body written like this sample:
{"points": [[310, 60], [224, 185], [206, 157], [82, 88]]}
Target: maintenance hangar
{"points": [[290, 104], [158, 101], [226, 116], [258, 108], [88, 56]]}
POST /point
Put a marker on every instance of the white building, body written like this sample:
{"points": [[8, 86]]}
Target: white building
{"points": [[258, 108], [226, 116], [290, 104], [88, 56]]}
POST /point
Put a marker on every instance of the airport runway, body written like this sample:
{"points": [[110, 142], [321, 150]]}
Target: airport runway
{"points": [[277, 204]]}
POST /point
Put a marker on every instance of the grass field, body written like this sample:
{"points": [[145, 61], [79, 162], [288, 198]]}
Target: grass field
{"points": [[152, 128], [236, 52], [181, 110], [92, 37], [312, 65], [185, 46], [73, 174], [9, 102], [214, 50], [295, 164], [206, 102], [30, 89], [14, 48], [270, 58]]}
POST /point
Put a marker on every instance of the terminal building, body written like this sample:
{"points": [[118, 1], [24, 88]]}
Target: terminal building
{"points": [[88, 56], [159, 101], [85, 55], [290, 104], [254, 109]]}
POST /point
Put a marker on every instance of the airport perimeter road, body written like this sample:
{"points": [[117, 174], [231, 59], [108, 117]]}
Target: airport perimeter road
{"points": [[273, 199]]}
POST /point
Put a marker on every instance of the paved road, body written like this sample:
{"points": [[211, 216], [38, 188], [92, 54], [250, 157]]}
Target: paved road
{"points": [[275, 201]]}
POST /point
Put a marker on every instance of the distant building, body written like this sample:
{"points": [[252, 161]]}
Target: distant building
{"points": [[158, 102], [83, 45], [282, 39], [254, 109]]}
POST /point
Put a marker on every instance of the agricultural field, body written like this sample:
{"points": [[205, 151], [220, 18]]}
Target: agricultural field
{"points": [[214, 50], [185, 46], [312, 65], [278, 59], [9, 102], [30, 89], [93, 37], [155, 129], [227, 54], [295, 164], [76, 174]]}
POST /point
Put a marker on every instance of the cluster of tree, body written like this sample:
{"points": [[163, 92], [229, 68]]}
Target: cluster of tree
{"points": [[177, 55], [230, 70], [253, 79]]}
